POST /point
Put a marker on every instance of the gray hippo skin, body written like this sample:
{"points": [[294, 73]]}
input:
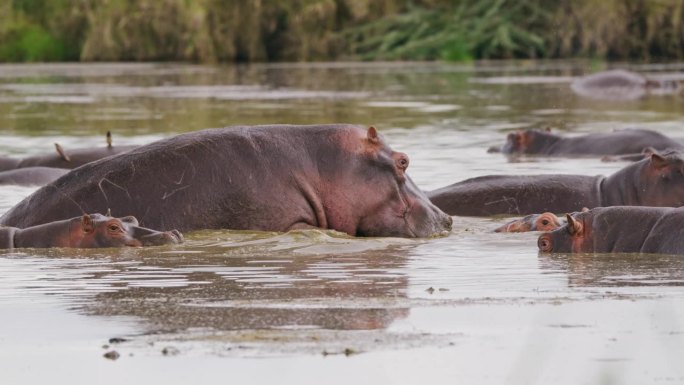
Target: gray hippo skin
{"points": [[620, 229], [621, 85], [87, 231], [656, 181], [620, 142], [65, 159], [31, 176], [273, 178]]}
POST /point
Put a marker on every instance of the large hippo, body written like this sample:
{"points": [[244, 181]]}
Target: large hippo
{"points": [[656, 181], [65, 159], [273, 178], [619, 142], [87, 231], [31, 176], [620, 85], [621, 229]]}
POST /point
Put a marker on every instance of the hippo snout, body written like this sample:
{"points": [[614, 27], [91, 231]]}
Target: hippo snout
{"points": [[159, 238]]}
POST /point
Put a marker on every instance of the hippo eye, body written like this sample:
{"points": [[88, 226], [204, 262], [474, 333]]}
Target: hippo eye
{"points": [[403, 163], [114, 227], [545, 222]]}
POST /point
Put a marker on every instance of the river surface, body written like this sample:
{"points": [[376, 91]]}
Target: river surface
{"points": [[319, 307]]}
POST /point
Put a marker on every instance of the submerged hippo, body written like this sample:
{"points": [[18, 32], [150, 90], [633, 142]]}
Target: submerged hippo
{"points": [[621, 85], [87, 231], [65, 159], [621, 229], [656, 181], [273, 178], [619, 142], [31, 176], [533, 222]]}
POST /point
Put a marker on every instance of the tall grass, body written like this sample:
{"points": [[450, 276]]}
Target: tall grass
{"points": [[297, 30]]}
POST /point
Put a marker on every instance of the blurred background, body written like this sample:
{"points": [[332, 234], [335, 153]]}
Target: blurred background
{"points": [[211, 31]]}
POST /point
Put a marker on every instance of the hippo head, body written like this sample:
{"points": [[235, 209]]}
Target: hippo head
{"points": [[530, 141], [533, 222], [97, 230], [662, 180], [573, 237], [382, 200]]}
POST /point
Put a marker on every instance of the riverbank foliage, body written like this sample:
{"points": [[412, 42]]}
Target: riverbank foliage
{"points": [[210, 31]]}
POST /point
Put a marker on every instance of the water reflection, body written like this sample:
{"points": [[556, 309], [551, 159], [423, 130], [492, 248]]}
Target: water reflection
{"points": [[617, 270], [312, 279]]}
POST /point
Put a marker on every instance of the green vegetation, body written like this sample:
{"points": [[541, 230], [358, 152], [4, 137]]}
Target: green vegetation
{"points": [[299, 30]]}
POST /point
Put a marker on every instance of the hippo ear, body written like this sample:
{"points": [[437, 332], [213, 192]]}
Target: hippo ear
{"points": [[373, 135], [658, 161], [574, 227], [109, 212], [61, 152], [547, 129], [87, 223]]}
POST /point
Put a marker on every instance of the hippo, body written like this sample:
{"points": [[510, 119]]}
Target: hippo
{"points": [[656, 181], [271, 178], [533, 222], [621, 85], [87, 231], [619, 142], [619, 229], [31, 176], [65, 159]]}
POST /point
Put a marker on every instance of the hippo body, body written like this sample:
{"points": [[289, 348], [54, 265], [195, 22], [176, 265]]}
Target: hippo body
{"points": [[31, 176], [87, 231], [620, 142], [518, 194], [273, 178], [620, 85], [8, 163], [656, 181], [73, 158], [621, 229]]}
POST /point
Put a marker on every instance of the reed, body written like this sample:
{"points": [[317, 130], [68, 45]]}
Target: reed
{"points": [[298, 30]]}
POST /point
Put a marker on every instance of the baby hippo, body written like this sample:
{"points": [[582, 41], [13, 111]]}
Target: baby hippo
{"points": [[533, 222], [87, 231]]}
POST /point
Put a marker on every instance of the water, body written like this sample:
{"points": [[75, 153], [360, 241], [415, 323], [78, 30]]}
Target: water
{"points": [[319, 306]]}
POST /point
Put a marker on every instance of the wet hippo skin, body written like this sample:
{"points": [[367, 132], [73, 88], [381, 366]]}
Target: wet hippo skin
{"points": [[656, 181], [273, 178], [31, 176], [533, 222], [87, 231], [619, 229], [620, 142]]}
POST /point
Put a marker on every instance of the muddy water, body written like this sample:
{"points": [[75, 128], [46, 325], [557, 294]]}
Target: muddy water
{"points": [[318, 306]]}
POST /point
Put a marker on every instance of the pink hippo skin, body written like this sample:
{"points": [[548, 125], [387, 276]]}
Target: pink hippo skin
{"points": [[87, 231], [272, 178]]}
